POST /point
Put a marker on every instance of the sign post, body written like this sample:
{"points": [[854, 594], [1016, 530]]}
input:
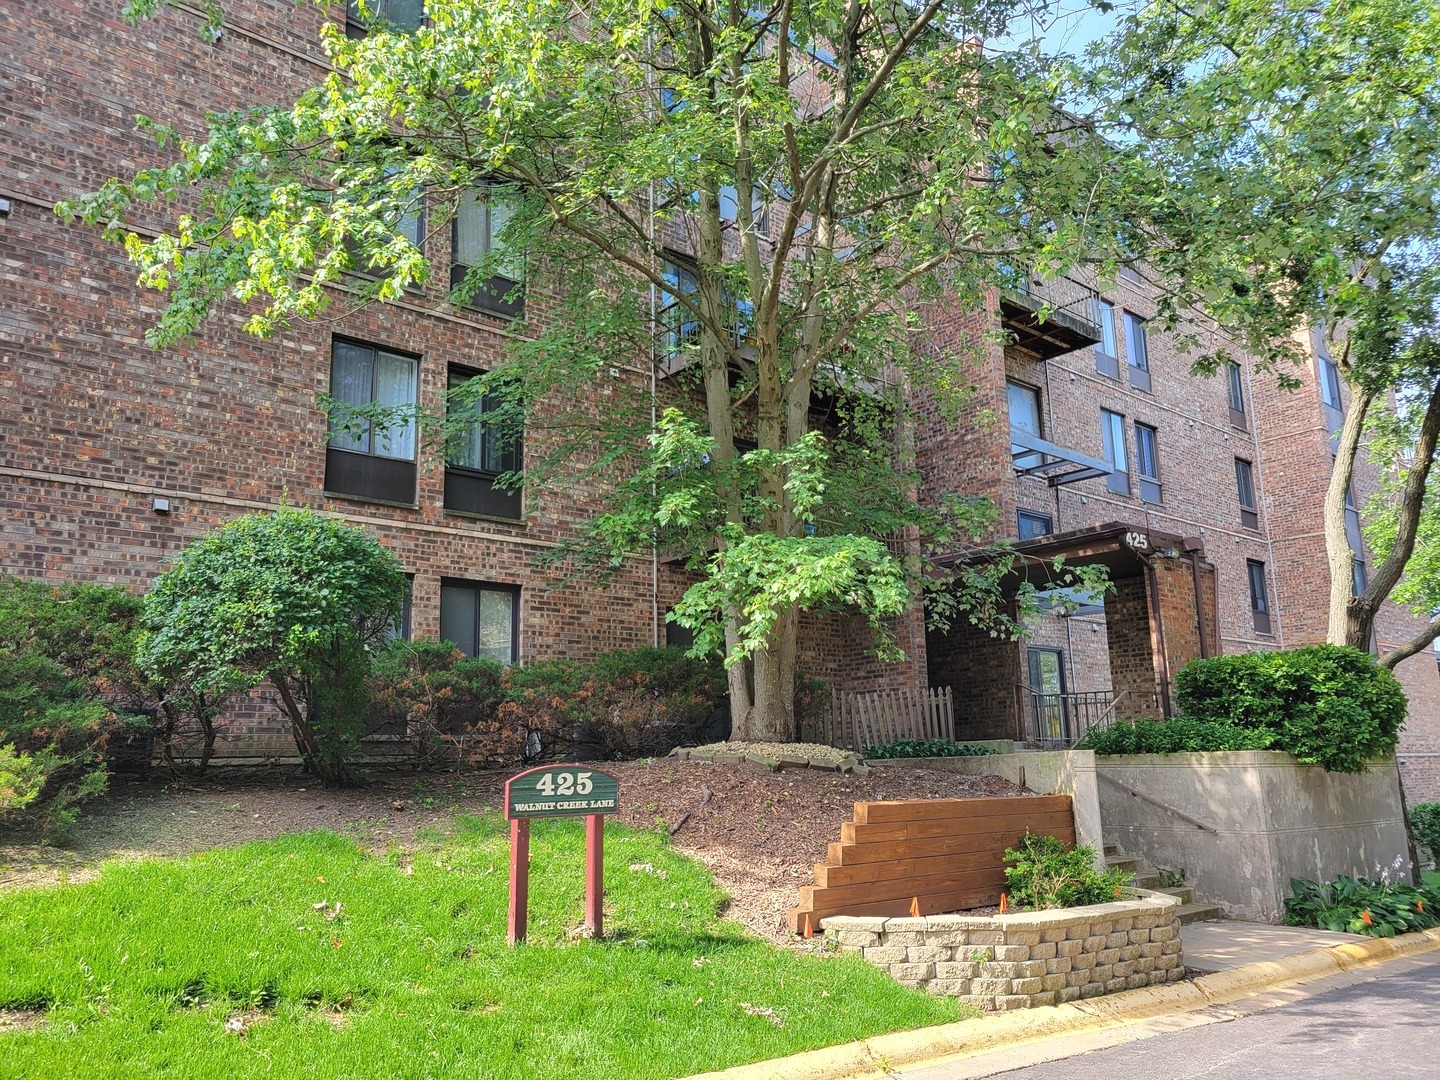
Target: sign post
{"points": [[558, 791]]}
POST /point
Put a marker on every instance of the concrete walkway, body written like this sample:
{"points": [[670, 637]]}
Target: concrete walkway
{"points": [[1221, 946]]}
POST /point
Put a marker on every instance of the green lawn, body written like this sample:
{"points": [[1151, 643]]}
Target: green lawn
{"points": [[139, 970]]}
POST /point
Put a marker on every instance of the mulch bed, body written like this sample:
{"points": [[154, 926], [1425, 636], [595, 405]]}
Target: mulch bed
{"points": [[759, 832]]}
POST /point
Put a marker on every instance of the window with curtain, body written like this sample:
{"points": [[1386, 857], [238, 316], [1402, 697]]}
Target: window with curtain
{"points": [[1112, 438], [371, 458], [478, 237], [1032, 524], [483, 620], [479, 457]]}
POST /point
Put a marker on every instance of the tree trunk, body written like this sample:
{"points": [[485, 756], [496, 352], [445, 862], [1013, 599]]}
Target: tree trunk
{"points": [[1348, 623], [330, 771]]}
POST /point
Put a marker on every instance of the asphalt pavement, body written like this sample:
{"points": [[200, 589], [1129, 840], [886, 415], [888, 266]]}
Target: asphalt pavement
{"points": [[1382, 1023]]}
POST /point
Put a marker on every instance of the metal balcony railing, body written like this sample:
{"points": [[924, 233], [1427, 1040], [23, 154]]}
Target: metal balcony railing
{"points": [[1048, 319]]}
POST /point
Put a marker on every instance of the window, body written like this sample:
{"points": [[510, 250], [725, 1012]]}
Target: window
{"points": [[411, 225], [1107, 353], [1330, 381], [1245, 488], [1259, 596], [482, 620], [1033, 524], [400, 629], [475, 461], [1352, 522], [679, 325], [371, 459], [400, 14], [478, 239], [1137, 352], [1147, 462], [1328, 372], [1359, 576], [1024, 417], [1112, 435], [1235, 380]]}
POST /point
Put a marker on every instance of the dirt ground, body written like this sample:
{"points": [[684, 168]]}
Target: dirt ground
{"points": [[759, 832]]}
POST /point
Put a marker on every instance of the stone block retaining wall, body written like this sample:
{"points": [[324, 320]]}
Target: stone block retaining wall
{"points": [[1019, 961]]}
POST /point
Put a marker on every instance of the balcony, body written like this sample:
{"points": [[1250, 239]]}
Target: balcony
{"points": [[1059, 465], [1048, 320]]}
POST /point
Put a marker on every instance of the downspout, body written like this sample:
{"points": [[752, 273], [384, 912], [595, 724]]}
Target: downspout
{"points": [[1157, 637]]}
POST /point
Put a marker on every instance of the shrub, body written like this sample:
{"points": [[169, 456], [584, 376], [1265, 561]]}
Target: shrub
{"points": [[1425, 821], [1180, 735], [1328, 705], [446, 704], [1361, 906], [69, 690], [22, 778], [922, 748], [626, 703], [1043, 873], [292, 597]]}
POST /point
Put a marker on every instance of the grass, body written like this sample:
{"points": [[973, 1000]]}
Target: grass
{"points": [[138, 971]]}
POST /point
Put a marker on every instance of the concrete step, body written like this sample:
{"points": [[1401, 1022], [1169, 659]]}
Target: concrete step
{"points": [[1124, 862], [1193, 913], [1112, 849]]}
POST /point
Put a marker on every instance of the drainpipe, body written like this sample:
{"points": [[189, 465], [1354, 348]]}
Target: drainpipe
{"points": [[1193, 546], [1157, 637]]}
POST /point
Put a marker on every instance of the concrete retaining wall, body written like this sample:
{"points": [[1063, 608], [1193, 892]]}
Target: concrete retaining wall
{"points": [[1027, 959], [1045, 772], [1258, 818]]}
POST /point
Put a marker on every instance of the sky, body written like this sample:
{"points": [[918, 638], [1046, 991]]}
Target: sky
{"points": [[1071, 25]]}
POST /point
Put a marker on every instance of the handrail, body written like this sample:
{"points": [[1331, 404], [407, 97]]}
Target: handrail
{"points": [[1156, 802]]}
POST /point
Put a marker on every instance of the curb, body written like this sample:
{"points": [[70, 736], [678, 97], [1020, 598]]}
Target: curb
{"points": [[885, 1052]]}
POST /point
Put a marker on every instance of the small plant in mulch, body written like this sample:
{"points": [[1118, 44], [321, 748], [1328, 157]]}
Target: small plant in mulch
{"points": [[927, 748], [1042, 872]]}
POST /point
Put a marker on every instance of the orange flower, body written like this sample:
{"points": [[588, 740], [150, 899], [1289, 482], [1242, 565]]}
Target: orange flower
{"points": [[1419, 905], [1365, 918], [914, 907], [1004, 903]]}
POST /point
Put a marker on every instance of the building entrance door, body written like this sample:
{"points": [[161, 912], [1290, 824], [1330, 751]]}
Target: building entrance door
{"points": [[1047, 695]]}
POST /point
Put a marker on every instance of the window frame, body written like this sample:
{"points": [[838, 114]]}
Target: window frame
{"points": [[1112, 426], [365, 475], [478, 587], [1034, 516], [1245, 478], [1235, 388], [498, 294], [1027, 459], [1255, 573], [1107, 350], [356, 30], [470, 491], [683, 336], [1151, 487], [1137, 347]]}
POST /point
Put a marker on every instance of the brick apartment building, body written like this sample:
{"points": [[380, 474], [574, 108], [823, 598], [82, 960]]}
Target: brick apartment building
{"points": [[1202, 496]]}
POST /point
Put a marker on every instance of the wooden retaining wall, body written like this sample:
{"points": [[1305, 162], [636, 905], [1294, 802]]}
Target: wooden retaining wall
{"points": [[946, 853]]}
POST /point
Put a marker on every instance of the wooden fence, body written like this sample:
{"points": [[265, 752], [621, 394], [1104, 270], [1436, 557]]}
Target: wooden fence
{"points": [[939, 854], [861, 719]]}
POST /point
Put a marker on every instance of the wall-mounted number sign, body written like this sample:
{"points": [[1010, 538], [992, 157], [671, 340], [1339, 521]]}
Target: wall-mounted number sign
{"points": [[558, 791], [561, 791]]}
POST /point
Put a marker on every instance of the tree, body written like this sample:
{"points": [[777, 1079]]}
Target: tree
{"points": [[293, 598], [1292, 150], [831, 169]]}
